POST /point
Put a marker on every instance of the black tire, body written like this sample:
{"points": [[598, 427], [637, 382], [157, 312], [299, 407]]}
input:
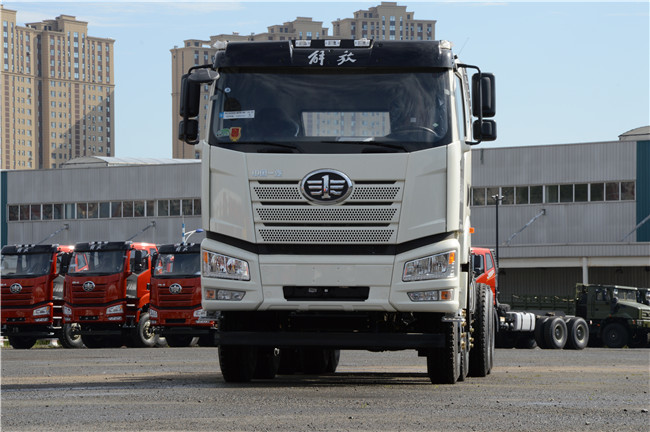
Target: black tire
{"points": [[179, 341], [268, 362], [443, 364], [207, 340], [480, 356], [615, 335], [526, 341], [333, 360], [577, 334], [143, 336], [540, 338], [21, 342], [314, 361], [555, 333], [237, 363], [70, 336], [94, 342], [289, 361]]}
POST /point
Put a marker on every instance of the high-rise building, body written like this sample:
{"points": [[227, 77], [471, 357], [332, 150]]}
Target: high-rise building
{"points": [[388, 21], [57, 93]]}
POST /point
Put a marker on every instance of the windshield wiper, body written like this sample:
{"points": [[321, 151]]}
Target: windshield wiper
{"points": [[276, 146], [368, 142]]}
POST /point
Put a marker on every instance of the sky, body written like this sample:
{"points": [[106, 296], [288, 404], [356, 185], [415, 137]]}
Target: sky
{"points": [[565, 72]]}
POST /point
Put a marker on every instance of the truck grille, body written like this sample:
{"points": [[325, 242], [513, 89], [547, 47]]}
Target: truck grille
{"points": [[167, 300], [369, 216], [79, 296], [24, 298]]}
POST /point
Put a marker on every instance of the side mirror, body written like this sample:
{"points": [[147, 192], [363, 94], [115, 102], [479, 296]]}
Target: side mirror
{"points": [[190, 102], [63, 263], [138, 264], [485, 130], [483, 95]]}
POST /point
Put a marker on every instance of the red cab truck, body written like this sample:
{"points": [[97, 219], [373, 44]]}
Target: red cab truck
{"points": [[32, 295], [176, 311], [107, 293]]}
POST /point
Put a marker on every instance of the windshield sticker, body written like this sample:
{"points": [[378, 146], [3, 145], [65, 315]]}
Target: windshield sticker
{"points": [[235, 134], [230, 115]]}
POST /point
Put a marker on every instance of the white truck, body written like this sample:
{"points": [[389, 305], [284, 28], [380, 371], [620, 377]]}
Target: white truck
{"points": [[335, 183]]}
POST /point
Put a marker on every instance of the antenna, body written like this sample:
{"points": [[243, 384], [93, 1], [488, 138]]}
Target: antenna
{"points": [[463, 47]]}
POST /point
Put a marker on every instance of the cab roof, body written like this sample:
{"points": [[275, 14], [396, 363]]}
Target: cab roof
{"points": [[326, 53]]}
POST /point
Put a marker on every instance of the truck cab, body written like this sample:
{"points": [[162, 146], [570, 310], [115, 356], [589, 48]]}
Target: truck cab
{"points": [[335, 188], [176, 311], [106, 293], [615, 316], [32, 294]]}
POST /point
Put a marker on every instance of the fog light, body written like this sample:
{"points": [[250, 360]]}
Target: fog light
{"points": [[428, 296], [222, 294]]}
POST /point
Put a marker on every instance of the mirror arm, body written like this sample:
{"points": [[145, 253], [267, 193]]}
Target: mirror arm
{"points": [[480, 101]]}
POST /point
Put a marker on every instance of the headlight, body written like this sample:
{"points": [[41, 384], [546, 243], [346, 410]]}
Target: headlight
{"points": [[223, 294], [224, 267], [153, 313], [114, 310], [45, 310], [438, 266], [67, 310], [200, 313]]}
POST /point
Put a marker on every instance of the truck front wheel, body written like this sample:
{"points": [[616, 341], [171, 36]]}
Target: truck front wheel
{"points": [[615, 335], [480, 356], [144, 337], [21, 342], [443, 364], [70, 336], [238, 363]]}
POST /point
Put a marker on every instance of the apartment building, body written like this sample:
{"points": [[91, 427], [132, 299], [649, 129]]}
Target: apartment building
{"points": [[57, 93], [388, 21]]}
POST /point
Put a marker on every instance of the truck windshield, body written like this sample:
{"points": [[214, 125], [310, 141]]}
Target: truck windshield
{"points": [[177, 265], [27, 265], [96, 263], [314, 111]]}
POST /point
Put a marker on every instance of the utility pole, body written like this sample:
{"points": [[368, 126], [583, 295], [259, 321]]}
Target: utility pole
{"points": [[497, 201]]}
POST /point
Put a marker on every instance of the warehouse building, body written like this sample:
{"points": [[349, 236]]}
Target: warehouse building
{"points": [[568, 213]]}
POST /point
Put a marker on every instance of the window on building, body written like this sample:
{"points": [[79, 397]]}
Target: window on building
{"points": [[627, 191], [138, 208], [597, 191], [93, 210], [552, 194], [521, 195], [127, 209], [611, 191], [566, 193], [508, 194], [197, 207], [116, 209], [104, 210], [581, 192], [478, 196], [163, 207], [82, 210], [175, 207]]}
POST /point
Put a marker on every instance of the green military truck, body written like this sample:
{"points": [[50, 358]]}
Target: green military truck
{"points": [[614, 314]]}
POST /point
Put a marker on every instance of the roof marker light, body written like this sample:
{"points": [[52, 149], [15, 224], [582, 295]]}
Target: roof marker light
{"points": [[303, 43], [362, 42], [332, 43]]}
